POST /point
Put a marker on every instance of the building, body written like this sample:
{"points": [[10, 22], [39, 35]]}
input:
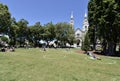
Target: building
{"points": [[80, 33], [72, 20]]}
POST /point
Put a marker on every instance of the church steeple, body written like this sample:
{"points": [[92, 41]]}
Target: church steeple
{"points": [[85, 23], [85, 15], [72, 20]]}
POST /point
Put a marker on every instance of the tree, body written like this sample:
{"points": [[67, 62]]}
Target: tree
{"points": [[70, 36], [5, 19], [23, 30], [93, 18], [35, 33], [64, 33], [86, 43], [14, 29], [104, 20], [49, 33]]}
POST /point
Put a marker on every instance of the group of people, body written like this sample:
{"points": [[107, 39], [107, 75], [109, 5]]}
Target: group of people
{"points": [[6, 49]]}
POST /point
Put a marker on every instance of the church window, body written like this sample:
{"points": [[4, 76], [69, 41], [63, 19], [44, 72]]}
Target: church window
{"points": [[78, 35]]}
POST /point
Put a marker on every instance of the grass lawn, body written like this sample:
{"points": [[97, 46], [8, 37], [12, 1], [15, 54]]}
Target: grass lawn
{"points": [[56, 65]]}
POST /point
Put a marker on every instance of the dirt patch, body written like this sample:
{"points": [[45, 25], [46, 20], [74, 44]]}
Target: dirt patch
{"points": [[80, 52]]}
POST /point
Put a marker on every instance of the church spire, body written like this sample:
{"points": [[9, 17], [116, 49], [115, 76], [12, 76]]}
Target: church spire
{"points": [[72, 15], [85, 15], [72, 20], [85, 23]]}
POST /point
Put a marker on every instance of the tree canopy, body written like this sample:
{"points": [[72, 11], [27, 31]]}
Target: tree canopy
{"points": [[104, 20], [5, 18]]}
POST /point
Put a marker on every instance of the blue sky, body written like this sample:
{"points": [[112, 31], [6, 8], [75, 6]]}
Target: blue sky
{"points": [[45, 11]]}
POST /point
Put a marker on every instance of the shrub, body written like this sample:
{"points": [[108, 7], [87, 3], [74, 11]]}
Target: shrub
{"points": [[86, 43], [4, 39]]}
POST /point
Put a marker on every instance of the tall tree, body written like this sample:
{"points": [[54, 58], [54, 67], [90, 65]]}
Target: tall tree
{"points": [[104, 15], [64, 33], [23, 33], [35, 32], [5, 19], [14, 29], [50, 31]]}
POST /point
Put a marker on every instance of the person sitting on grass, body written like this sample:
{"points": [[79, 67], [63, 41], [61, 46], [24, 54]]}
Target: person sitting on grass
{"points": [[92, 56], [12, 49]]}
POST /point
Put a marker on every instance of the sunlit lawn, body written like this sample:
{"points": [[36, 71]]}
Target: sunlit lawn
{"points": [[56, 65]]}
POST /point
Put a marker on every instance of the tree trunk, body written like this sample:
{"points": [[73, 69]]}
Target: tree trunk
{"points": [[104, 49], [14, 41], [111, 50], [115, 45], [104, 45], [119, 48]]}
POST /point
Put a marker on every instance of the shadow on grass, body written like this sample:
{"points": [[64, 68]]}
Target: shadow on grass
{"points": [[117, 54]]}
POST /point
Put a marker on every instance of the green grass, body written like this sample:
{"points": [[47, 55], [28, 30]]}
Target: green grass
{"points": [[56, 65]]}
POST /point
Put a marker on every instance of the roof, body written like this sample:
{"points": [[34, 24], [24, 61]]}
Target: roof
{"points": [[78, 29]]}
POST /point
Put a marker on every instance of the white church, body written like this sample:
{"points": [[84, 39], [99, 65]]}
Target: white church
{"points": [[80, 33]]}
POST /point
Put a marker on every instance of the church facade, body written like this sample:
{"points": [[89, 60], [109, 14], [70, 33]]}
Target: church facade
{"points": [[80, 33]]}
